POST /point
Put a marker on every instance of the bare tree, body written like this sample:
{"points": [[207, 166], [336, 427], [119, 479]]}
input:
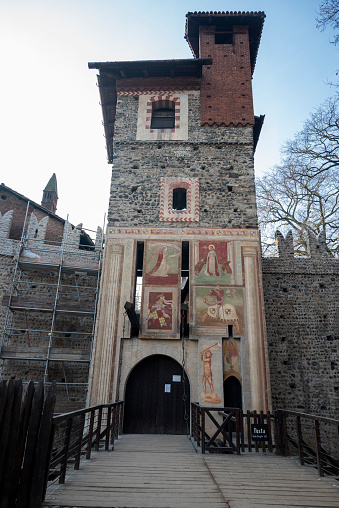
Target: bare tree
{"points": [[302, 193], [329, 16]]}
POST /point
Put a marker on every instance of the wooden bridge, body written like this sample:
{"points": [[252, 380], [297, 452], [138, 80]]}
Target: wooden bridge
{"points": [[156, 471], [81, 459]]}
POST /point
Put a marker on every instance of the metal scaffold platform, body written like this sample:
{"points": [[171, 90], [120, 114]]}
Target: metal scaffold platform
{"points": [[50, 316]]}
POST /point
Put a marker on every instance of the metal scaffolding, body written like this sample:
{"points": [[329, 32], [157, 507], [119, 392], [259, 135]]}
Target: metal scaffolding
{"points": [[56, 287]]}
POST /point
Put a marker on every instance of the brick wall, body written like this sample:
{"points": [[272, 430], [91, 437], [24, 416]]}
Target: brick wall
{"points": [[10, 201], [226, 85]]}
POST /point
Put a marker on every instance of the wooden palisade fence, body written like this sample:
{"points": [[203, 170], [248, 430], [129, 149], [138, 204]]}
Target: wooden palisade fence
{"points": [[25, 430], [37, 448]]}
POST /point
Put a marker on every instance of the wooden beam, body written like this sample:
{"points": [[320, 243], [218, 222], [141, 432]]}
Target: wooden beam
{"points": [[130, 311]]}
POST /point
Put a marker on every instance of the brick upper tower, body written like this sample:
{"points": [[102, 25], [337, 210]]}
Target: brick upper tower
{"points": [[231, 40], [182, 222]]}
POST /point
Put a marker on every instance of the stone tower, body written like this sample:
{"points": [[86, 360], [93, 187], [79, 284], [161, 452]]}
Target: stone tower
{"points": [[182, 250], [50, 195]]}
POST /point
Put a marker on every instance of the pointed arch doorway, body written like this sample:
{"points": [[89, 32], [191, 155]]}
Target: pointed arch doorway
{"points": [[153, 397]]}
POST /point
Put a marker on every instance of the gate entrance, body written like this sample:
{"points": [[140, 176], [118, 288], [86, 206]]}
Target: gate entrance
{"points": [[232, 393], [153, 397]]}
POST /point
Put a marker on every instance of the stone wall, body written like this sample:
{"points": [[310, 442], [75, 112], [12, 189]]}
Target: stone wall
{"points": [[302, 309], [222, 159]]}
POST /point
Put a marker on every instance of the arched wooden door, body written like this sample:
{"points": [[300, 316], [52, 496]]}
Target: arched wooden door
{"points": [[232, 392], [154, 397]]}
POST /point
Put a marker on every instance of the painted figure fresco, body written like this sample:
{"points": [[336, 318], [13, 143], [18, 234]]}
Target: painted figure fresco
{"points": [[220, 306], [231, 359], [162, 263], [212, 263], [160, 310], [206, 358]]}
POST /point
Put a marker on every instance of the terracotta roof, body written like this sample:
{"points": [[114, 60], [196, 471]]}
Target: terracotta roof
{"points": [[225, 19]]}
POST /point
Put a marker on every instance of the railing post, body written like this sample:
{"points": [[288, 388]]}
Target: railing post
{"points": [[241, 416], [276, 433], [121, 417], [285, 434], [90, 435], [300, 444], [199, 426], [193, 421], [81, 431], [318, 448], [237, 417], [114, 415], [255, 420], [269, 426], [108, 427], [203, 431], [262, 422], [65, 451], [249, 433], [97, 437], [281, 433]]}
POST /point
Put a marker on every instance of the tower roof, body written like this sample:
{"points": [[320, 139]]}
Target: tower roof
{"points": [[225, 20], [52, 185]]}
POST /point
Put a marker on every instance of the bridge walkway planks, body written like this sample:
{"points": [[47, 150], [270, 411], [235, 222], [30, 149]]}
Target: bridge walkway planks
{"points": [[157, 471]]}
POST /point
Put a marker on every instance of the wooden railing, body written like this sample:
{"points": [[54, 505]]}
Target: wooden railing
{"points": [[234, 429], [211, 435], [75, 434], [314, 439]]}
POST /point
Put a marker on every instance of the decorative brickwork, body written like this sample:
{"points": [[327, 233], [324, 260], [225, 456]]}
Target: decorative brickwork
{"points": [[191, 213], [176, 101]]}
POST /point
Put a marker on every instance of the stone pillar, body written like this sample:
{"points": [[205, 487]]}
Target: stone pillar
{"points": [[255, 330], [105, 355]]}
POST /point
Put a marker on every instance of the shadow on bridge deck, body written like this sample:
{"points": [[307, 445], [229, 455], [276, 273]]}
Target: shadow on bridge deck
{"points": [[161, 471]]}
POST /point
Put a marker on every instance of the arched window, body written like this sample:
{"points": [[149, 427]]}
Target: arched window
{"points": [[179, 199], [163, 115]]}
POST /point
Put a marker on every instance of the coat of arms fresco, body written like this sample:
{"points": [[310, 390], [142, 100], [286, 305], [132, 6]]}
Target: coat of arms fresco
{"points": [[160, 311]]}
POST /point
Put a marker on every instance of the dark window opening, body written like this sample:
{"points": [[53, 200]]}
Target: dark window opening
{"points": [[224, 38], [185, 287], [179, 199], [163, 115], [138, 284]]}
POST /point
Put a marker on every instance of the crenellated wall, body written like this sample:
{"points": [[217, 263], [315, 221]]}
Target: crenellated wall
{"points": [[301, 297]]}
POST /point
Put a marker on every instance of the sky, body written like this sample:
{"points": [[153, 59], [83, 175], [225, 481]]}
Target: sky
{"points": [[50, 117]]}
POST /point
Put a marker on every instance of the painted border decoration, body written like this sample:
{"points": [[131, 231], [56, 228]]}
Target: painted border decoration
{"points": [[167, 213]]}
